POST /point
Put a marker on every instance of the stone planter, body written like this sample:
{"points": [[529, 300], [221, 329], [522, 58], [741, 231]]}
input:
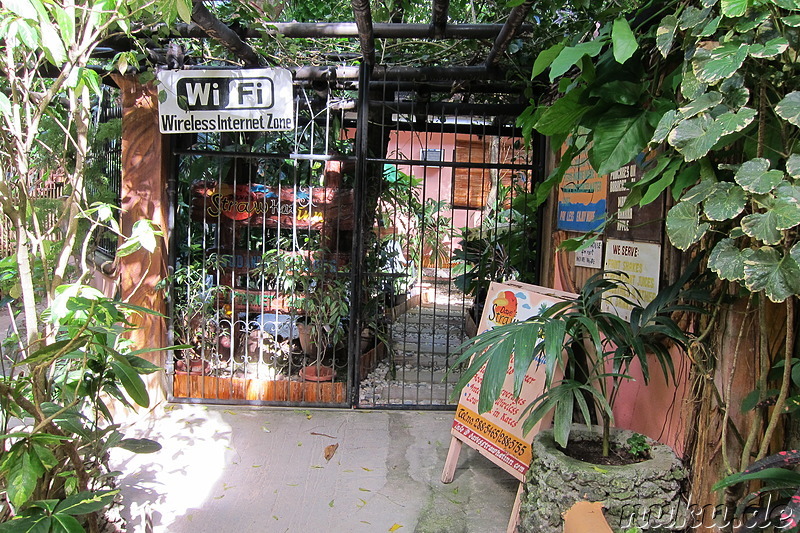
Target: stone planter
{"points": [[645, 495]]}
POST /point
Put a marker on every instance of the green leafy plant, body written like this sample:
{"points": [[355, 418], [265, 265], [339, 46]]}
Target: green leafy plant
{"points": [[710, 89], [638, 445], [776, 478], [56, 426], [590, 347], [324, 302]]}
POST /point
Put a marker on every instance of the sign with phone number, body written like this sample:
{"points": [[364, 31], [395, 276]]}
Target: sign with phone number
{"points": [[497, 434]]}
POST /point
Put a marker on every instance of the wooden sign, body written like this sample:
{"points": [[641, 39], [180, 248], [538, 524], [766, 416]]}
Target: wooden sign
{"points": [[635, 223], [253, 204], [581, 197], [497, 434]]}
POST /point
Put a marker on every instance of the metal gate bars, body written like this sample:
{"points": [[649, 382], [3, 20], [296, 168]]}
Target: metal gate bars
{"points": [[341, 263]]}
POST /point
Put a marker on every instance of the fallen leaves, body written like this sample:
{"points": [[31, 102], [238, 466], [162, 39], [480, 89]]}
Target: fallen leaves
{"points": [[395, 527], [330, 451]]}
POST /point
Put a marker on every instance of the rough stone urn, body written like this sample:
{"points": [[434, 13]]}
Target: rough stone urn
{"points": [[645, 495]]}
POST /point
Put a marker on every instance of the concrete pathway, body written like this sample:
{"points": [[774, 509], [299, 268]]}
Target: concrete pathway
{"points": [[243, 469]]}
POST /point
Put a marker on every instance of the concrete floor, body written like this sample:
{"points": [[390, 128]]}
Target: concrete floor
{"points": [[241, 469]]}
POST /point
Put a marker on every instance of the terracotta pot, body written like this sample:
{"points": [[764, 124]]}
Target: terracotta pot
{"points": [[316, 373], [306, 342], [196, 366]]}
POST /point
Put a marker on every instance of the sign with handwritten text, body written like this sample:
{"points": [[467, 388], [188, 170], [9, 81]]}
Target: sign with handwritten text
{"points": [[497, 434], [639, 265]]}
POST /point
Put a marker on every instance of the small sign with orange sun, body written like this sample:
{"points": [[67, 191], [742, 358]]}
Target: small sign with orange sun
{"points": [[497, 434]]}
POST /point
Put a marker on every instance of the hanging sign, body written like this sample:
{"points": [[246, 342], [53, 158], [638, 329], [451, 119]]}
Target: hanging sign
{"points": [[581, 197], [640, 264], [255, 204], [636, 223], [198, 101], [498, 434]]}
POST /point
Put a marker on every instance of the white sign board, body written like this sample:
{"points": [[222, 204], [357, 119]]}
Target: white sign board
{"points": [[642, 264], [198, 101], [591, 257]]}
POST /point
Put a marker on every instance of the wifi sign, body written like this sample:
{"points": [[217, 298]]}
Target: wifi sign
{"points": [[210, 93]]}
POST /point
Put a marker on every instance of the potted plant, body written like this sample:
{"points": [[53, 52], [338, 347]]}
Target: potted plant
{"points": [[593, 349], [325, 306]]}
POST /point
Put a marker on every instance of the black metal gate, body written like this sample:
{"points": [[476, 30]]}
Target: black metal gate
{"points": [[343, 263]]}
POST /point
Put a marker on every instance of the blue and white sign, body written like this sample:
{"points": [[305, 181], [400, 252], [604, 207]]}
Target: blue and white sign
{"points": [[198, 101]]}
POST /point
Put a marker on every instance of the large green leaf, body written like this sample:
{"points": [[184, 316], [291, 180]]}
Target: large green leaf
{"points": [[695, 137], [725, 202], [727, 260], [86, 502], [51, 351], [619, 92], [734, 8], [665, 125], [793, 21], [786, 205], [39, 523], [762, 226], [563, 115], [545, 59], [771, 48], [704, 103], [495, 374], [22, 476], [52, 44], [693, 17], [69, 420], [792, 5], [721, 62], [132, 383], [789, 108], [767, 270], [620, 135], [655, 189], [139, 445], [22, 8], [699, 192], [665, 35], [754, 176], [570, 55], [683, 225], [563, 418], [793, 165], [69, 524], [623, 40]]}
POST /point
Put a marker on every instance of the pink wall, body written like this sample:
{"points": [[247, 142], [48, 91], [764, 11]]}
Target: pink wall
{"points": [[656, 409], [438, 181]]}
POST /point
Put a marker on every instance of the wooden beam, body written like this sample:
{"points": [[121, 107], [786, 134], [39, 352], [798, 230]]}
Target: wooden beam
{"points": [[145, 160], [439, 10], [509, 31], [366, 35], [215, 29]]}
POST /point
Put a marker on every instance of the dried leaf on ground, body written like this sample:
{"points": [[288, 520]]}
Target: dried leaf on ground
{"points": [[330, 451]]}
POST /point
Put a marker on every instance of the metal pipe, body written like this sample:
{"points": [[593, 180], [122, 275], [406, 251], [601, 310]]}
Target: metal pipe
{"points": [[356, 260], [453, 164], [366, 35], [509, 31], [439, 10], [451, 86], [452, 108], [381, 30]]}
